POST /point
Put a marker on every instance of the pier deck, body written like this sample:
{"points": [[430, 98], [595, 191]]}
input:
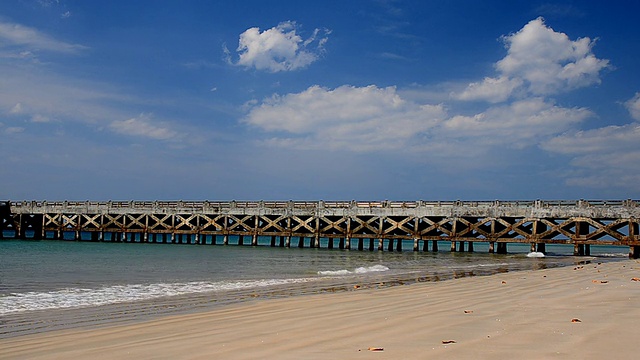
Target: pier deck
{"points": [[579, 223]]}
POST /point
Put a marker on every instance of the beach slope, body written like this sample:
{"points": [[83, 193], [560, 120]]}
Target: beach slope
{"points": [[587, 311]]}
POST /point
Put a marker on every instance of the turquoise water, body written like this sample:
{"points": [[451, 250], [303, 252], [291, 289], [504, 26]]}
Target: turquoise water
{"points": [[56, 284]]}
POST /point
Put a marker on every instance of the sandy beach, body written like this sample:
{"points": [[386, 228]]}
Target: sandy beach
{"points": [[583, 312]]}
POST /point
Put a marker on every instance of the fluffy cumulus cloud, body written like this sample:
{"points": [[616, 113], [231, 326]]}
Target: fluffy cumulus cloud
{"points": [[633, 105], [279, 48], [369, 118], [143, 126], [491, 89], [539, 61], [353, 118]]}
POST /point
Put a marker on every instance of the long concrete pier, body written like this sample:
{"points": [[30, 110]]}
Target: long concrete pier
{"points": [[361, 225]]}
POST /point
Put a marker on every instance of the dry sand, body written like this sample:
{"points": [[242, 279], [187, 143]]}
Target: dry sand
{"points": [[587, 312]]}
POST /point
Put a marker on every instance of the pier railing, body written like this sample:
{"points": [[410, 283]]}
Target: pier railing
{"points": [[581, 223]]}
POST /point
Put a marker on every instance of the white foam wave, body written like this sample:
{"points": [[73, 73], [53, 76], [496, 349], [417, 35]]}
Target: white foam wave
{"points": [[77, 297], [614, 255], [360, 270], [535, 254]]}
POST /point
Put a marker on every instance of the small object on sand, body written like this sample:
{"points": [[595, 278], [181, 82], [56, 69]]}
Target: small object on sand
{"points": [[635, 279], [576, 320], [604, 281], [375, 349], [468, 311], [445, 342], [356, 286], [504, 282]]}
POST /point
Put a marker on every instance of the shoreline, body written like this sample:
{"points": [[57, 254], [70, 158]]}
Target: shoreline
{"points": [[130, 312], [528, 313]]}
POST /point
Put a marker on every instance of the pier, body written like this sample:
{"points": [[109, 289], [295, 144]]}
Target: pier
{"points": [[353, 225]]}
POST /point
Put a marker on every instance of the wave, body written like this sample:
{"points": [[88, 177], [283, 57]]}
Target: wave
{"points": [[78, 297], [360, 270], [535, 254], [613, 255]]}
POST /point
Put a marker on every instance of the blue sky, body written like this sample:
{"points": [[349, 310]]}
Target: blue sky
{"points": [[333, 100]]}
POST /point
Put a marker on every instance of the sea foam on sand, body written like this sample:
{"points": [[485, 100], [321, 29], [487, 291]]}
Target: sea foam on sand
{"points": [[586, 311]]}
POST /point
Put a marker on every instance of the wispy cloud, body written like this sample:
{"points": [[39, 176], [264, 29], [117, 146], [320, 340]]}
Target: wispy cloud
{"points": [[279, 48], [33, 39], [601, 157], [144, 126]]}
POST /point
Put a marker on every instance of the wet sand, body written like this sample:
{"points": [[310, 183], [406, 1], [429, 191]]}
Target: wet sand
{"points": [[584, 312]]}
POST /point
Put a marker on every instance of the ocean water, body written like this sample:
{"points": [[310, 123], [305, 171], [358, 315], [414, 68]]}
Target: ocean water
{"points": [[49, 284]]}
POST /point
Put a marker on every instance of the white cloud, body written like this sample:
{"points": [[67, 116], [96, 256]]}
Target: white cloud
{"points": [[493, 90], [353, 118], [16, 109], [144, 126], [13, 130], [36, 91], [633, 105], [25, 36], [548, 60], [279, 48], [610, 139], [539, 61], [601, 158], [519, 124], [38, 118], [371, 118]]}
